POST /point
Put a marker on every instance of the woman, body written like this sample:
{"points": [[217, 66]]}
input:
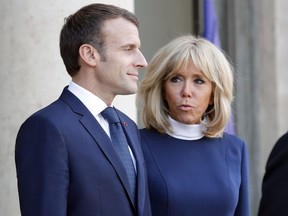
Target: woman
{"points": [[194, 167]]}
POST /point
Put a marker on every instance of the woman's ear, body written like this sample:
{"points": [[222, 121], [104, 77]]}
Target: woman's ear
{"points": [[88, 54], [211, 101], [164, 95]]}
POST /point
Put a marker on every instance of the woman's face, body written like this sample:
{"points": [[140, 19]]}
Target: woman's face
{"points": [[188, 94]]}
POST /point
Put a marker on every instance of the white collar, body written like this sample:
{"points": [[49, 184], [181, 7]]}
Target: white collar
{"points": [[185, 131], [93, 103]]}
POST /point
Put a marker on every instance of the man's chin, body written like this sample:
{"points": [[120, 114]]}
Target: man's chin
{"points": [[132, 90]]}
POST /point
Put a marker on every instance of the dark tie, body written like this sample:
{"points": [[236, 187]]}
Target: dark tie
{"points": [[121, 145]]}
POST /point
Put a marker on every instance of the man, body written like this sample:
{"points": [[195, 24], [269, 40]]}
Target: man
{"points": [[65, 161], [275, 181]]}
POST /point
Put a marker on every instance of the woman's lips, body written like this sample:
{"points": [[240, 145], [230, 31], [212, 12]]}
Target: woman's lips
{"points": [[185, 107]]}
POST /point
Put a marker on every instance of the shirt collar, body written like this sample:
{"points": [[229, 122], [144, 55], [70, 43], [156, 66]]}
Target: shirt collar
{"points": [[93, 103]]}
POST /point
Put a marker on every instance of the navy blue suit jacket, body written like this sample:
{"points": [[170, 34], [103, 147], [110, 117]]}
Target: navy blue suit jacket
{"points": [[66, 164]]}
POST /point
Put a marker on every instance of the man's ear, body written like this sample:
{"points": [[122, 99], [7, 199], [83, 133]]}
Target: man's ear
{"points": [[88, 54]]}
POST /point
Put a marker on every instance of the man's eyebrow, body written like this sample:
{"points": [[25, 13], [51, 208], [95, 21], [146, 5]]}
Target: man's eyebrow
{"points": [[133, 45]]}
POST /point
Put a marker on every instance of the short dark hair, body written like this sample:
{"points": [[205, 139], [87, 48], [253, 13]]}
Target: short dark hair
{"points": [[84, 27]]}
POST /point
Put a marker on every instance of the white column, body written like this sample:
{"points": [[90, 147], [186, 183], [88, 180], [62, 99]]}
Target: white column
{"points": [[33, 74], [281, 62]]}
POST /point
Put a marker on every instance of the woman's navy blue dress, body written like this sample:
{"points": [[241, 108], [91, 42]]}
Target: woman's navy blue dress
{"points": [[205, 177]]}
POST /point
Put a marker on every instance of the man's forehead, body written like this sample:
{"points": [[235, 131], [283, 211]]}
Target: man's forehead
{"points": [[121, 32]]}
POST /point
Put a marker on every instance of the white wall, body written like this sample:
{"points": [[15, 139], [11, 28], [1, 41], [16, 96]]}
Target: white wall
{"points": [[281, 31], [160, 22], [32, 74]]}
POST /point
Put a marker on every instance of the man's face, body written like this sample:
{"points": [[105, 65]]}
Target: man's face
{"points": [[118, 75]]}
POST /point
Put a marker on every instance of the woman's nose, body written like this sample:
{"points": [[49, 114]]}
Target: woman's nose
{"points": [[187, 90]]}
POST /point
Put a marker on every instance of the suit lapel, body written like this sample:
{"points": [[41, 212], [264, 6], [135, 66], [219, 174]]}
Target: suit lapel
{"points": [[96, 131], [104, 142]]}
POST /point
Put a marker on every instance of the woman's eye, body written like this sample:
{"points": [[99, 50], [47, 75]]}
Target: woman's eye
{"points": [[175, 79], [199, 81]]}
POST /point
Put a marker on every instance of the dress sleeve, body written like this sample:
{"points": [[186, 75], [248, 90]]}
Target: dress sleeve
{"points": [[42, 168], [243, 208]]}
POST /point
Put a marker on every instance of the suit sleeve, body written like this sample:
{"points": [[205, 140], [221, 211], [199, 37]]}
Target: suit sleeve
{"points": [[275, 182], [243, 203], [42, 168]]}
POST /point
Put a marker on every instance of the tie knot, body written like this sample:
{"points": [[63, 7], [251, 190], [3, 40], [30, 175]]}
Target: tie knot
{"points": [[110, 115]]}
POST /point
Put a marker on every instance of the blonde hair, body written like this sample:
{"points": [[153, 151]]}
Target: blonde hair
{"points": [[210, 60]]}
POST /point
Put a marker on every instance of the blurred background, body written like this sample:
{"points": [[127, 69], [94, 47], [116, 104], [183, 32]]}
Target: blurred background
{"points": [[253, 33]]}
